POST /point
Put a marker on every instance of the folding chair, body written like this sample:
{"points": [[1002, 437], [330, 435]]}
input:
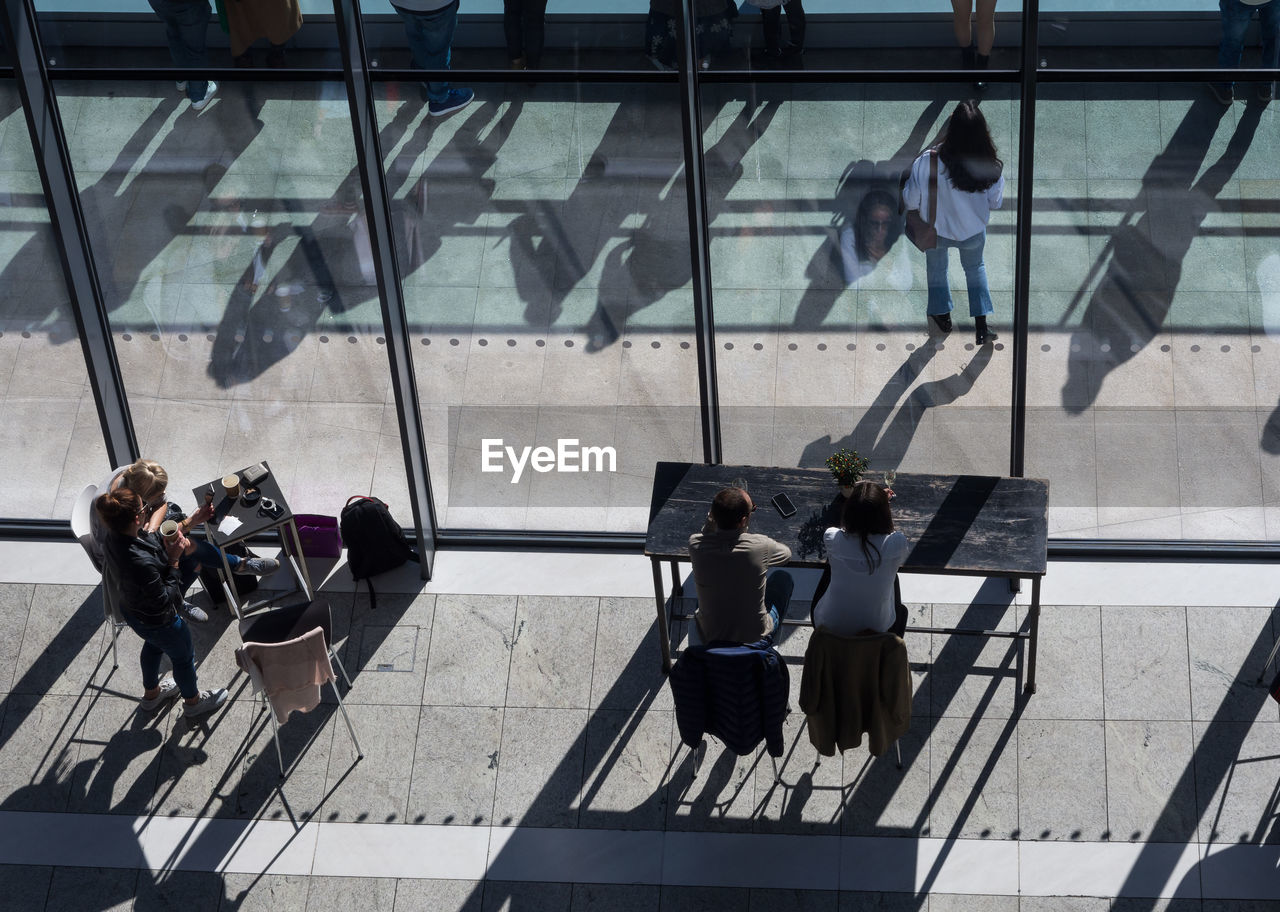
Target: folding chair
{"points": [[279, 642], [82, 529]]}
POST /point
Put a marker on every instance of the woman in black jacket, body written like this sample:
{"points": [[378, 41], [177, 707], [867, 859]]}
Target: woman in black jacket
{"points": [[142, 570]]}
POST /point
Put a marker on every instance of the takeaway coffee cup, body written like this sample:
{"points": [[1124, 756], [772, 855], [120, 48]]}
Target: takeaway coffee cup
{"points": [[169, 530], [231, 485]]}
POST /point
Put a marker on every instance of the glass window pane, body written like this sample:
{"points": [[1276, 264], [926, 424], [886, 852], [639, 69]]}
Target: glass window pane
{"points": [[47, 416], [162, 33], [819, 349], [544, 245], [234, 257], [1153, 386]]}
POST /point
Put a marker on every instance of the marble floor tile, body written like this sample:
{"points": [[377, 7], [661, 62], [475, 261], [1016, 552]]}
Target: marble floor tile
{"points": [[975, 676], [1057, 800], [1144, 664], [1233, 763], [627, 763], [474, 674], [350, 892], [705, 899], [441, 895], [551, 652], [113, 888], [199, 891], [377, 787], [455, 765], [882, 800], [392, 664], [1227, 649], [264, 892], [540, 767], [627, 673], [973, 775], [1150, 779], [25, 887], [722, 796], [615, 898], [1068, 664]]}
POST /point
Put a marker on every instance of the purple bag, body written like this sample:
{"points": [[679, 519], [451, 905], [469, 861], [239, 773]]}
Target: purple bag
{"points": [[319, 535]]}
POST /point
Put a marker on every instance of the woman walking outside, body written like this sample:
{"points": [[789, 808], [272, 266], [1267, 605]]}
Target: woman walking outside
{"points": [[970, 183]]}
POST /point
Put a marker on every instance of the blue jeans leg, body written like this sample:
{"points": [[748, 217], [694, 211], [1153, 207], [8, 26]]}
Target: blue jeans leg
{"points": [[777, 595], [1235, 21], [975, 274], [430, 36], [935, 269], [205, 555], [174, 641], [185, 25]]}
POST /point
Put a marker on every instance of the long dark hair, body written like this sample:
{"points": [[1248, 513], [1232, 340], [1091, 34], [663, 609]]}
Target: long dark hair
{"points": [[968, 152], [877, 196], [866, 512]]}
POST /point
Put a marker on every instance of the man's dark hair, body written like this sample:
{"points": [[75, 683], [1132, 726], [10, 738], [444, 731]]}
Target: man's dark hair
{"points": [[729, 508], [118, 509]]}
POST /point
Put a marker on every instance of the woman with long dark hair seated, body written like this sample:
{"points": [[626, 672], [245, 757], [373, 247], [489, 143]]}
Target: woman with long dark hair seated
{"points": [[858, 591]]}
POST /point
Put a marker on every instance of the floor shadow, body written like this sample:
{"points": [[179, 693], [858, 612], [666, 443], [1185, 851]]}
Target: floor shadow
{"points": [[1131, 302]]}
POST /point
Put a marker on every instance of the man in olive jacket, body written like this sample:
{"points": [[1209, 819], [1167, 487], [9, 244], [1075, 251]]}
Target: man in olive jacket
{"points": [[735, 602]]}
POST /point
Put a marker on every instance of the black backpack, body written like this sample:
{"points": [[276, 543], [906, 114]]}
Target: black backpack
{"points": [[374, 541]]}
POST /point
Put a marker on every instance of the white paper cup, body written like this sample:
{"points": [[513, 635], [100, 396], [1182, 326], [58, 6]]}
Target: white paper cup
{"points": [[169, 530], [231, 485]]}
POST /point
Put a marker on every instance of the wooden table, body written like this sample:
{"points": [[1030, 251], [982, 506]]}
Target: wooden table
{"points": [[963, 525], [253, 522]]}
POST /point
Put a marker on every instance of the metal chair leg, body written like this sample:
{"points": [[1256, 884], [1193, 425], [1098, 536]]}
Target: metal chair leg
{"points": [[898, 746], [333, 654], [347, 719], [275, 734], [1270, 658], [777, 773]]}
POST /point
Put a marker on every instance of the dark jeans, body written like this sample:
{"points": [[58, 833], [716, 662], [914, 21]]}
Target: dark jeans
{"points": [[1235, 22], [772, 19], [522, 21], [185, 25], [174, 641], [205, 555], [430, 36]]}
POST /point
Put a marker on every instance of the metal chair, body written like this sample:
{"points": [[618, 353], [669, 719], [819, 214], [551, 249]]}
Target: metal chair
{"points": [[82, 529], [293, 634]]}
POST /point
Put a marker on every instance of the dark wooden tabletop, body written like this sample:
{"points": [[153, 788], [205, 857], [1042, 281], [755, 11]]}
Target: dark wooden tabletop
{"points": [[251, 521], [975, 525]]}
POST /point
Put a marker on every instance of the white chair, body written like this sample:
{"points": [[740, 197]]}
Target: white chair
{"points": [[297, 637], [82, 529]]}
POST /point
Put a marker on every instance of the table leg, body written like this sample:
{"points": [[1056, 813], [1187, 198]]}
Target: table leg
{"points": [[1015, 584], [1034, 618], [664, 633], [229, 585], [297, 559], [677, 586]]}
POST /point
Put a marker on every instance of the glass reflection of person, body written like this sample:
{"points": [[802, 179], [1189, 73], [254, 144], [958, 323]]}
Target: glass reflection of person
{"points": [[869, 236]]}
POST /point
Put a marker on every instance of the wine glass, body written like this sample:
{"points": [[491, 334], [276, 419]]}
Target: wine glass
{"points": [[890, 476]]}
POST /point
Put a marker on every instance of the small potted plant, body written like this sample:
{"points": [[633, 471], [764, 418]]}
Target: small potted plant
{"points": [[846, 467]]}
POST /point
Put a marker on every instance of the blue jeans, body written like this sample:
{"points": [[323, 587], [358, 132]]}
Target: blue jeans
{"points": [[174, 641], [430, 36], [185, 25], [205, 555], [975, 274], [1235, 21]]}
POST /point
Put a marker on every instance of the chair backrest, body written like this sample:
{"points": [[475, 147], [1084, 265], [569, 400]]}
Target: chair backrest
{"points": [[736, 692], [290, 672], [855, 685], [82, 524]]}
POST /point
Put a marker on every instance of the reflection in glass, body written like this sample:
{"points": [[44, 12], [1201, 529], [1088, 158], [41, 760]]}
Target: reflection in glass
{"points": [[235, 263], [820, 299], [1153, 394], [50, 441], [544, 245]]}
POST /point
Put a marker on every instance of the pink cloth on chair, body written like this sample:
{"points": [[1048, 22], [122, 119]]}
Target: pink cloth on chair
{"points": [[290, 672]]}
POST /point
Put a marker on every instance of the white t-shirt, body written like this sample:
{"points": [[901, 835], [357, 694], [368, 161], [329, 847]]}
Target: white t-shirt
{"points": [[859, 598], [960, 215]]}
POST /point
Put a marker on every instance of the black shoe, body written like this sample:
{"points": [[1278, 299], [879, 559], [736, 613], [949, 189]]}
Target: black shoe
{"points": [[968, 57], [942, 321], [984, 333]]}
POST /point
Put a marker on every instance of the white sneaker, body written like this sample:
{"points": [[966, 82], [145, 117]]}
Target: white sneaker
{"points": [[208, 702], [208, 96], [181, 85], [168, 690], [194, 613]]}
